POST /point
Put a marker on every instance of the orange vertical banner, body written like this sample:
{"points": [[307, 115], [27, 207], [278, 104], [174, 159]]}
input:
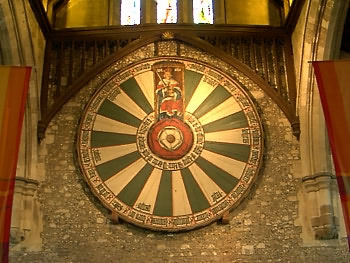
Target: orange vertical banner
{"points": [[14, 83], [333, 79]]}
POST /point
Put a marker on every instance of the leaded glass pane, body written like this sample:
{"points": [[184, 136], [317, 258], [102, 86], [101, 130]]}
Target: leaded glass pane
{"points": [[203, 11], [166, 11], [130, 12]]}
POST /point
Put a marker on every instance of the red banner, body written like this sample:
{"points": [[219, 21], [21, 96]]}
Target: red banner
{"points": [[14, 82], [333, 79]]}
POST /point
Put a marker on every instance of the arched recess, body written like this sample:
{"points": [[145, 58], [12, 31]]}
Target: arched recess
{"points": [[287, 107]]}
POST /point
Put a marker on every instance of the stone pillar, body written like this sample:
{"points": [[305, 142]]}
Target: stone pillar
{"points": [[219, 12], [25, 225], [324, 222], [17, 230], [148, 12], [23, 43], [311, 38], [185, 11], [114, 12]]}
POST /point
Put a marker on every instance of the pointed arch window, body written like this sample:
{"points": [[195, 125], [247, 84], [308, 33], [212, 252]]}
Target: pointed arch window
{"points": [[166, 11], [203, 12], [130, 12]]}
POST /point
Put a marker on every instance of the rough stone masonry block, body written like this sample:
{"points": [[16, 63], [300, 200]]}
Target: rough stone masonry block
{"points": [[326, 219], [248, 250], [325, 209], [315, 221]]}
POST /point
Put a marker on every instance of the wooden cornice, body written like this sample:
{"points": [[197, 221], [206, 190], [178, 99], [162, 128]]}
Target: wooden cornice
{"points": [[111, 32]]}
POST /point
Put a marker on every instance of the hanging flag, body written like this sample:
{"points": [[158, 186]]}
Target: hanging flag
{"points": [[14, 82], [333, 79]]}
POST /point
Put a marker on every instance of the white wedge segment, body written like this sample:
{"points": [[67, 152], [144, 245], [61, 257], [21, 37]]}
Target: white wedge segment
{"points": [[118, 181], [145, 81], [229, 136], [108, 125], [226, 108], [124, 101], [112, 152], [149, 193], [229, 165], [200, 94], [207, 185], [181, 206]]}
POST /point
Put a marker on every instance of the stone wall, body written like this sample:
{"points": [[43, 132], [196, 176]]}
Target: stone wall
{"points": [[264, 228]]}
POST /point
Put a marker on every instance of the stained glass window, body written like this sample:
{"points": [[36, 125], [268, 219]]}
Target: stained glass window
{"points": [[130, 12], [166, 11], [203, 11]]}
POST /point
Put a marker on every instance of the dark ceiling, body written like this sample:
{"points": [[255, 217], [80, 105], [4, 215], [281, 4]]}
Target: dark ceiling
{"points": [[345, 44]]}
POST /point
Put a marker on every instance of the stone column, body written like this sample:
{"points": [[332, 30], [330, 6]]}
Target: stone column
{"points": [[312, 35], [185, 11], [114, 12], [148, 12], [23, 44], [25, 225], [17, 232], [320, 208], [219, 12]]}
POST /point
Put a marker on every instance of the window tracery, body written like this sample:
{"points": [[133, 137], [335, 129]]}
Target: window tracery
{"points": [[203, 12], [166, 11], [130, 12]]}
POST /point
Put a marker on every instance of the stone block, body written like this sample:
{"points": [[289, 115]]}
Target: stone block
{"points": [[315, 221], [326, 219], [325, 209], [248, 250]]}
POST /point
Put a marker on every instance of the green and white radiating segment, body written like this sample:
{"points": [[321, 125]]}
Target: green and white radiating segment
{"points": [[230, 165], [190, 190], [181, 205], [118, 181], [106, 124], [206, 184], [112, 111], [137, 94], [104, 139], [224, 109], [126, 103], [201, 92], [227, 136], [148, 194], [145, 81], [109, 153], [131, 98]]}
